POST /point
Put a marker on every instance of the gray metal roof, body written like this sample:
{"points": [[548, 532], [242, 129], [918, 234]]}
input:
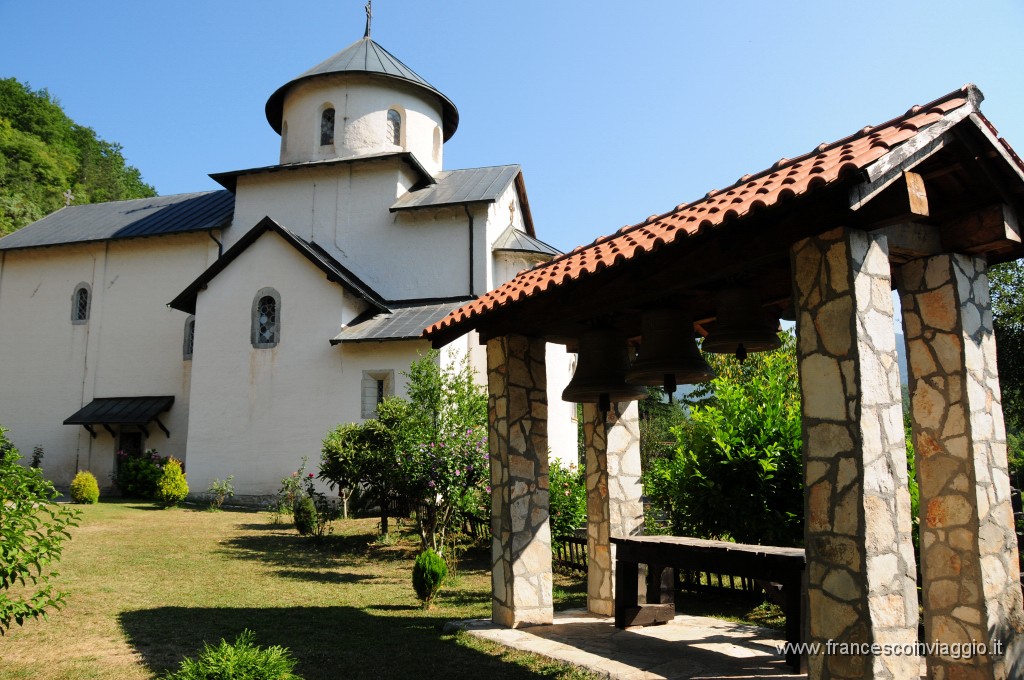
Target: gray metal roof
{"points": [[229, 180], [513, 240], [453, 187], [335, 271], [366, 57], [120, 411], [406, 321], [126, 219]]}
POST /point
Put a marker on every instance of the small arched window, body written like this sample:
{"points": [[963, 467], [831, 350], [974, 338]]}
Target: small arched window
{"points": [[327, 127], [394, 127], [81, 300], [190, 338], [437, 144], [266, 319], [284, 138]]}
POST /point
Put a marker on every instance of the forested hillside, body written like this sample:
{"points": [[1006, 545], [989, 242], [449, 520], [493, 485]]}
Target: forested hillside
{"points": [[43, 153]]}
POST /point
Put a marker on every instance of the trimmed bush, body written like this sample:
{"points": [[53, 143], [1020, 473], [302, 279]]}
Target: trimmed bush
{"points": [[304, 514], [240, 660], [84, 488], [428, 574], [172, 487]]}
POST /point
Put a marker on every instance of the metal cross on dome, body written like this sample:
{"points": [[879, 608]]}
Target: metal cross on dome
{"points": [[68, 197], [369, 17]]}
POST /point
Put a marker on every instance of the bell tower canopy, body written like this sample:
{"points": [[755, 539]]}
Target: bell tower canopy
{"points": [[367, 58]]}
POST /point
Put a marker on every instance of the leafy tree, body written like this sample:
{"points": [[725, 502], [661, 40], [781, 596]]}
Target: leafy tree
{"points": [[43, 153], [32, 533], [1007, 286], [737, 472], [657, 418]]}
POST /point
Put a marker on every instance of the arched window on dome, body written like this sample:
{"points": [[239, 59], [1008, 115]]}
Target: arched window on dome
{"points": [[327, 127], [437, 144], [284, 138], [266, 318], [394, 127]]}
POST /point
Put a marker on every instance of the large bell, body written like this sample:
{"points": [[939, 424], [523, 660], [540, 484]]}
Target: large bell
{"points": [[600, 371], [668, 352], [741, 326]]}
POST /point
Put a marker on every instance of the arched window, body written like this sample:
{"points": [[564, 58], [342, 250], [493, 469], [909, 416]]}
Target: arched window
{"points": [[437, 144], [190, 338], [266, 318], [394, 127], [327, 127], [81, 300], [284, 138]]}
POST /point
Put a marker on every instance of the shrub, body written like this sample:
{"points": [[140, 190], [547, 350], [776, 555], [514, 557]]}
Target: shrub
{"points": [[567, 499], [137, 475], [428, 574], [220, 490], [84, 488], [240, 660], [172, 488], [304, 515], [32, 533], [37, 456]]}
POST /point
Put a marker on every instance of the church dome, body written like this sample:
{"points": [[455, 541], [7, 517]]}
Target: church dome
{"points": [[364, 57]]}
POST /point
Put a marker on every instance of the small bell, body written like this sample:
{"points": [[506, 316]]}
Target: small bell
{"points": [[741, 326], [600, 372], [668, 353]]}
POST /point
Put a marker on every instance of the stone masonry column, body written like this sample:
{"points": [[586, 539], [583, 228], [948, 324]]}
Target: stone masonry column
{"points": [[971, 578], [861, 585], [518, 442], [614, 491]]}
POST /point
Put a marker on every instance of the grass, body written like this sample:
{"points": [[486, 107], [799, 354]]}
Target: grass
{"points": [[150, 586]]}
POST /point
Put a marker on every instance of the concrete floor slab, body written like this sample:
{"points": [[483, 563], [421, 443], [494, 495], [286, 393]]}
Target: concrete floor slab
{"points": [[688, 648]]}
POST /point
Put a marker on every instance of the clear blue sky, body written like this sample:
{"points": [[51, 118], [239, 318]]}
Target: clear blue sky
{"points": [[615, 110]]}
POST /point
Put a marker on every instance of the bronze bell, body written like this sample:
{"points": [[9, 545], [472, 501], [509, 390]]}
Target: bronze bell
{"points": [[741, 326], [600, 371], [668, 352]]}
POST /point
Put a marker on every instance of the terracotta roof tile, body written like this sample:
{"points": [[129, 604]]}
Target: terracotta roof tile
{"points": [[788, 177]]}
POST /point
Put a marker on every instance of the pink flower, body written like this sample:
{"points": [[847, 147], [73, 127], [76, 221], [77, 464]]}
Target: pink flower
{"points": [[311, 475]]}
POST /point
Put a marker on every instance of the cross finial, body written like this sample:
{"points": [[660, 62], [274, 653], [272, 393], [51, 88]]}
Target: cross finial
{"points": [[369, 17], [68, 197]]}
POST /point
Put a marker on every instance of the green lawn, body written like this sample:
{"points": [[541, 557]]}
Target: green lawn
{"points": [[149, 586]]}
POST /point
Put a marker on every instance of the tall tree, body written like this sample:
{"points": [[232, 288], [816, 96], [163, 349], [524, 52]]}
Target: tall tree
{"points": [[44, 153]]}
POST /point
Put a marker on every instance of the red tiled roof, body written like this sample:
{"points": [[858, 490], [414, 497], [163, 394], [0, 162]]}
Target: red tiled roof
{"points": [[787, 177]]}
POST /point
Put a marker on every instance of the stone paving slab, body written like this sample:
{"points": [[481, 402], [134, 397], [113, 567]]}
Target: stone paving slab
{"points": [[688, 648]]}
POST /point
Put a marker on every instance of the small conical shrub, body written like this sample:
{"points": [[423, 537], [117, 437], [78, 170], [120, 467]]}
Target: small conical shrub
{"points": [[304, 514], [84, 488], [242, 660], [428, 574], [172, 487]]}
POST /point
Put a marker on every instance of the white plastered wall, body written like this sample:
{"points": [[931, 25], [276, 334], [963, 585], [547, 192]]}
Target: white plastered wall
{"points": [[344, 209], [361, 104], [130, 346], [257, 412]]}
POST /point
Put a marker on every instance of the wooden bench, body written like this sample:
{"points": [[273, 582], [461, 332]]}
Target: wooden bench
{"points": [[664, 554]]}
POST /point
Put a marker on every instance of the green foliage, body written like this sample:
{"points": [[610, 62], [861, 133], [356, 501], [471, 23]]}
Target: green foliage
{"points": [[220, 490], [84, 488], [304, 515], [241, 660], [43, 153], [429, 450], [37, 456], [137, 476], [428, 574], [568, 499], [33, 529], [737, 472], [172, 487], [657, 418]]}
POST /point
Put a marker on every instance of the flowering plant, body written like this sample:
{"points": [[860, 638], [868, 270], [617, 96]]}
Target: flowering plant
{"points": [[137, 475]]}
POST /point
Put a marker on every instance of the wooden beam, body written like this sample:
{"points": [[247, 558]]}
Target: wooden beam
{"points": [[161, 426], [88, 428], [905, 200], [994, 227], [911, 240]]}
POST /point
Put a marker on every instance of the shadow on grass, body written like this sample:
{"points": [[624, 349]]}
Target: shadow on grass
{"points": [[328, 642]]}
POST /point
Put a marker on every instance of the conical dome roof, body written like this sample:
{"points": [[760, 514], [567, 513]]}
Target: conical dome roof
{"points": [[365, 57]]}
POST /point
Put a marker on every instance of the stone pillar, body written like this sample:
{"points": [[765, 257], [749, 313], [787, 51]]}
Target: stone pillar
{"points": [[971, 578], [861, 585], [614, 491], [518, 444]]}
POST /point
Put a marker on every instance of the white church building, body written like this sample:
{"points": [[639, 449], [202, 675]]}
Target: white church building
{"points": [[232, 329]]}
